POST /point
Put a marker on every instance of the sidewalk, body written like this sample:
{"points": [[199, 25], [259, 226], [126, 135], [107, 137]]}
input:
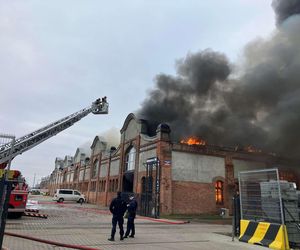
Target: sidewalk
{"points": [[90, 226]]}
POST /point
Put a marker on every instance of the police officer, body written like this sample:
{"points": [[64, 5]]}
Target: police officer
{"points": [[131, 208], [117, 207]]}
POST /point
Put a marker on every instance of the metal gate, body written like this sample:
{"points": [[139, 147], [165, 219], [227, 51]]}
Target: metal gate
{"points": [[149, 198]]}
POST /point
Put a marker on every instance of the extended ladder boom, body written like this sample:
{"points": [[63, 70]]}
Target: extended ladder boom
{"points": [[26, 142]]}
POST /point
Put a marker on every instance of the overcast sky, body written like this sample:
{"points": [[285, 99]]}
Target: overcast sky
{"points": [[56, 57]]}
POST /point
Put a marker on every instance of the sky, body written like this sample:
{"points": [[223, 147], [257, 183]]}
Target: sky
{"points": [[57, 57]]}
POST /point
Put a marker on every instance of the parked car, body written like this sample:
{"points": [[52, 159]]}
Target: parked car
{"points": [[62, 195], [35, 192]]}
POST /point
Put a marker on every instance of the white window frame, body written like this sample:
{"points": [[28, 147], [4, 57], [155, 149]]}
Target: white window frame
{"points": [[130, 159]]}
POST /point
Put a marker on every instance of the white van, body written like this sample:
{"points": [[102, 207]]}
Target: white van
{"points": [[68, 195]]}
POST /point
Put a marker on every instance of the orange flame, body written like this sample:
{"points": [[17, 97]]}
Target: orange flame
{"points": [[252, 149], [193, 141]]}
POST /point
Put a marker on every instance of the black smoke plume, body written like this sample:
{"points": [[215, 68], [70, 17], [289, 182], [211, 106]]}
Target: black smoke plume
{"points": [[255, 102], [285, 8]]}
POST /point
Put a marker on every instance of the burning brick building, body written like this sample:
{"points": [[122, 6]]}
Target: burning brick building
{"points": [[254, 102], [168, 177]]}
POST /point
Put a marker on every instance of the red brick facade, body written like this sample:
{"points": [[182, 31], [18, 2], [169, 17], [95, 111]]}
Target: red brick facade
{"points": [[188, 174], [192, 198]]}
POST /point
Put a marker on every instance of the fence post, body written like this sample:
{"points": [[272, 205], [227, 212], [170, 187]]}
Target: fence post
{"points": [[233, 219], [5, 187]]}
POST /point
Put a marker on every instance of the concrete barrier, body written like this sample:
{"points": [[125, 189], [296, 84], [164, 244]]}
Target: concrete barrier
{"points": [[266, 234]]}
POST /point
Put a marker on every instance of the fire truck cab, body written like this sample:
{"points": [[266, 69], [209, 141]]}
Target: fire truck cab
{"points": [[17, 204], [18, 198]]}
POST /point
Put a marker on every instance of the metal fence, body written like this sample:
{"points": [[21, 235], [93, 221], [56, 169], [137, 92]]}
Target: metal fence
{"points": [[260, 196]]}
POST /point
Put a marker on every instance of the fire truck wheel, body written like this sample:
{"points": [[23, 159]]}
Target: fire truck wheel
{"points": [[61, 200]]}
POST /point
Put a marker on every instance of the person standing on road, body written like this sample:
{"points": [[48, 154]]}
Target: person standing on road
{"points": [[131, 208], [117, 207]]}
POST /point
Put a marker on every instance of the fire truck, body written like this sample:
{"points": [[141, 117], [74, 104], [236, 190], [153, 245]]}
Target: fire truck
{"points": [[19, 194], [18, 197]]}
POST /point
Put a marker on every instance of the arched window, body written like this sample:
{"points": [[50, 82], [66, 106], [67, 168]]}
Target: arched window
{"points": [[130, 159], [95, 169], [219, 186]]}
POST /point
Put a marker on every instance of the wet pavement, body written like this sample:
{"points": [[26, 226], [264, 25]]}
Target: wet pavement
{"points": [[88, 225]]}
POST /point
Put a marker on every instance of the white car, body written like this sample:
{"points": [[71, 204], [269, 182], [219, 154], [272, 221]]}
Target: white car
{"points": [[62, 195]]}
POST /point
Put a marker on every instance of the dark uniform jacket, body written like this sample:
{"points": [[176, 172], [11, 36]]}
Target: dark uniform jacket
{"points": [[118, 207], [132, 208]]}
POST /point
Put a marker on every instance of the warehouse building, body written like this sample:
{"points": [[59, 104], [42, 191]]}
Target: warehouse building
{"points": [[167, 177]]}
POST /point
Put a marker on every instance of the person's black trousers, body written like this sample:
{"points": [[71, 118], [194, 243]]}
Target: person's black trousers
{"points": [[120, 221], [130, 226]]}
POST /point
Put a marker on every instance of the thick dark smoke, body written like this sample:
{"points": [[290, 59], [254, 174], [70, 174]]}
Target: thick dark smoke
{"points": [[285, 8], [258, 104]]}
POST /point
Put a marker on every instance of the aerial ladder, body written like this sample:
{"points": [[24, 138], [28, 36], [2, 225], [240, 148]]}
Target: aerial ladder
{"points": [[13, 196], [26, 142]]}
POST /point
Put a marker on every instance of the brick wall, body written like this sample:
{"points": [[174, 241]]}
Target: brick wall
{"points": [[188, 173], [193, 198], [92, 197], [101, 198]]}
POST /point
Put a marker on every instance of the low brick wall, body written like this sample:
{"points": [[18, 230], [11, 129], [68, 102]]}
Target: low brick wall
{"points": [[193, 198]]}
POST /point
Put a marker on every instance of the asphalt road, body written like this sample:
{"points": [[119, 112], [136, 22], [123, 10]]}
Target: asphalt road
{"points": [[88, 225]]}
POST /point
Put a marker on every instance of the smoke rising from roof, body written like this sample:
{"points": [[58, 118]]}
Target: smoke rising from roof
{"points": [[255, 102], [111, 137]]}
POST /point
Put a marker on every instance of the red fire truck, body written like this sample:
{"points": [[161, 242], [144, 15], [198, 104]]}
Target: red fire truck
{"points": [[19, 194], [18, 197]]}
